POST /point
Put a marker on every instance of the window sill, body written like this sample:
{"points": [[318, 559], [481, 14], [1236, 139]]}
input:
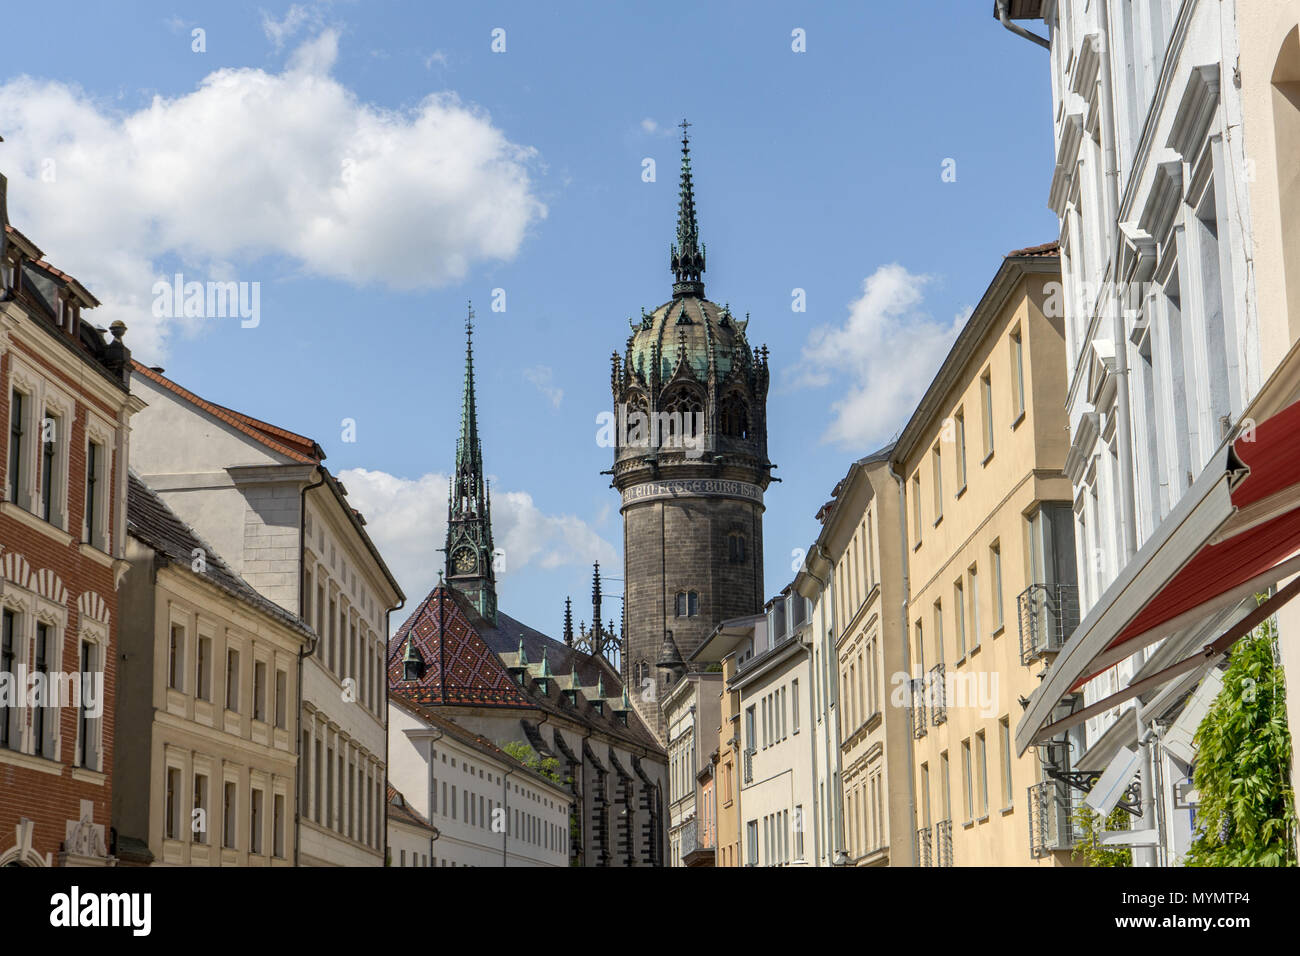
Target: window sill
{"points": [[35, 522], [916, 546], [1019, 418], [997, 631], [17, 758], [95, 553], [961, 491], [975, 649], [86, 775], [983, 819], [968, 824], [987, 458], [1005, 810], [938, 521]]}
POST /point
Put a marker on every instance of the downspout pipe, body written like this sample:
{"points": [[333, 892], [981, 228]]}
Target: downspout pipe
{"points": [[505, 803], [303, 653], [1004, 16], [1110, 163], [387, 634], [907, 660]]}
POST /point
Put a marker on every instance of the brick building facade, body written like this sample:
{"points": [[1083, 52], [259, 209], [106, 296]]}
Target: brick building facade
{"points": [[65, 403]]}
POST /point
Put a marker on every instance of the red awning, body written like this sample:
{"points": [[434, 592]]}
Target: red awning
{"points": [[1235, 532]]}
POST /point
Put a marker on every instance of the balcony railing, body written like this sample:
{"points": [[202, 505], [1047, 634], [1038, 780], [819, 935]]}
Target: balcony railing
{"points": [[749, 766], [923, 854], [1048, 615], [1050, 812], [943, 842], [918, 707], [695, 843], [937, 696]]}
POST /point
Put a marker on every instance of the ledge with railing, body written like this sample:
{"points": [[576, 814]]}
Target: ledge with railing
{"points": [[923, 847], [918, 707], [749, 766], [937, 695], [943, 842], [1051, 827], [1047, 614]]}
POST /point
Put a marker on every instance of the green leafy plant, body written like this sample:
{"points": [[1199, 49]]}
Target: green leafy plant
{"points": [[1243, 764], [548, 767], [1088, 827]]}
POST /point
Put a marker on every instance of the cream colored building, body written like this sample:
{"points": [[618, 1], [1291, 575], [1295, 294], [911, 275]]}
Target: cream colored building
{"points": [[728, 754], [412, 840], [262, 496], [488, 808], [990, 568], [773, 678], [206, 709], [853, 576], [691, 713]]}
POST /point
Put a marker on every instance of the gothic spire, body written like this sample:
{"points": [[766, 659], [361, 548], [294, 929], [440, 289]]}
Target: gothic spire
{"points": [[469, 550], [687, 258], [568, 621]]}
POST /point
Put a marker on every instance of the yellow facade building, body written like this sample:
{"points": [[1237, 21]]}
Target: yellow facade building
{"points": [[990, 568]]}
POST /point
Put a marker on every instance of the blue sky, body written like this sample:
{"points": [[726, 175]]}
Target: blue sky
{"points": [[374, 166]]}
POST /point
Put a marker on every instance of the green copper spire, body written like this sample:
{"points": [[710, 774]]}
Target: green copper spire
{"points": [[687, 258], [469, 551]]}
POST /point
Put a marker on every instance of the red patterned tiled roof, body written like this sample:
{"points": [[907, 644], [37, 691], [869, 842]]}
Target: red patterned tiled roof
{"points": [[1052, 248]]}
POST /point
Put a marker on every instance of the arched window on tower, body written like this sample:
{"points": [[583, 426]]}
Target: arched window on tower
{"points": [[736, 548], [681, 413], [734, 416]]}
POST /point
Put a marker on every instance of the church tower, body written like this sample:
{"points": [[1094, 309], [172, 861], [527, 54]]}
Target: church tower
{"points": [[469, 550], [691, 465]]}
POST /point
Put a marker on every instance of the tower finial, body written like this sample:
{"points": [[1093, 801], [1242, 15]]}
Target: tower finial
{"points": [[687, 257]]}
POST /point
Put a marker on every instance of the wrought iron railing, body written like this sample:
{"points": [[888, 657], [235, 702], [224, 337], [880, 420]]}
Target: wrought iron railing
{"points": [[1048, 615], [918, 707], [693, 837], [749, 766], [923, 854], [943, 842], [937, 696], [1050, 824]]}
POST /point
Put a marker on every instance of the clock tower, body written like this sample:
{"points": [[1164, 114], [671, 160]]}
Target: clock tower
{"points": [[469, 550]]}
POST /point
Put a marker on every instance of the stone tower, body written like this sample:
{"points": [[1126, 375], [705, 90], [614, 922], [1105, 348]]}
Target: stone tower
{"points": [[469, 550], [691, 465]]}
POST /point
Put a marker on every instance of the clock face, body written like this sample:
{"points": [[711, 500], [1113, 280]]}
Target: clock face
{"points": [[465, 561]]}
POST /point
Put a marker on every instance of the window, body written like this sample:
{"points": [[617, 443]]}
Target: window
{"points": [[938, 632], [995, 562], [973, 577], [986, 400], [259, 690], [228, 817], [688, 603], [277, 825], [968, 787], [16, 436], [281, 698], [1004, 745], [232, 679], [916, 509], [1018, 371], [203, 670], [959, 438], [959, 616], [87, 755], [925, 796], [94, 481], [39, 725], [49, 467], [736, 548], [751, 843], [8, 647], [982, 771], [175, 658], [172, 821], [255, 822], [199, 818], [937, 458], [794, 694], [945, 798]]}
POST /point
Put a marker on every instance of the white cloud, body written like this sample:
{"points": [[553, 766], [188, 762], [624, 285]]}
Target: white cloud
{"points": [[884, 356], [279, 31], [407, 518], [543, 376], [254, 164], [438, 57], [652, 127]]}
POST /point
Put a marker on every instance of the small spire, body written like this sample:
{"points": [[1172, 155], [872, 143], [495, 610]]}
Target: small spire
{"points": [[568, 621], [687, 257], [546, 665], [523, 657]]}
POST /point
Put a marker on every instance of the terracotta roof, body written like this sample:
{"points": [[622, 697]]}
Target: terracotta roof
{"points": [[467, 660], [400, 810], [286, 443], [1052, 248], [148, 519]]}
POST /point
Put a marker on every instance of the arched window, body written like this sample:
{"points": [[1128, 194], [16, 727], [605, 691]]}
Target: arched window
{"points": [[736, 548], [734, 416], [682, 413]]}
